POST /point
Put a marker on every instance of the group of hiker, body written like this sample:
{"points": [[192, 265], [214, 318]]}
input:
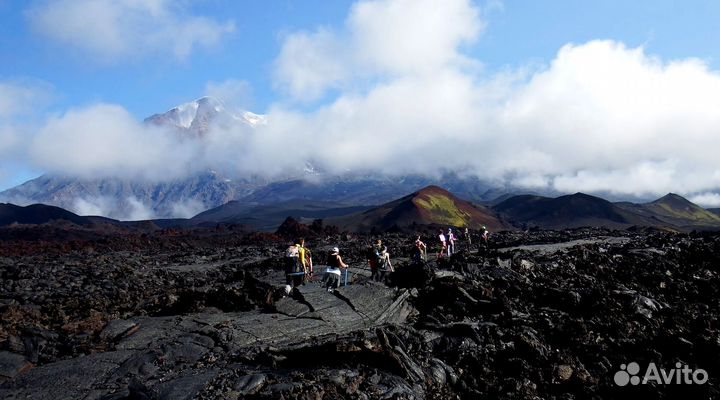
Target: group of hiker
{"points": [[299, 263]]}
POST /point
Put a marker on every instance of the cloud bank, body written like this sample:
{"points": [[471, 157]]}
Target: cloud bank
{"points": [[118, 29], [396, 89]]}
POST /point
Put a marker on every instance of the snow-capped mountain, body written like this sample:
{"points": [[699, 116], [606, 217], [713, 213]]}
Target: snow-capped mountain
{"points": [[128, 199], [198, 117]]}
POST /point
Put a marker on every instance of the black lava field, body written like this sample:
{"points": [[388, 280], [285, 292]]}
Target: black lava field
{"points": [[201, 314]]}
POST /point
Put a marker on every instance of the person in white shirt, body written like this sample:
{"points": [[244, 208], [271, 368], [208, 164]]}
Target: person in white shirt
{"points": [[443, 245], [450, 242], [332, 274]]}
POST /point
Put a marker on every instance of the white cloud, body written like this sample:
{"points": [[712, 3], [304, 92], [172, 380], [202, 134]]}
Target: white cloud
{"points": [[105, 140], [188, 208], [381, 38], [94, 206], [138, 211], [117, 29], [126, 209], [412, 36], [707, 199], [310, 63]]}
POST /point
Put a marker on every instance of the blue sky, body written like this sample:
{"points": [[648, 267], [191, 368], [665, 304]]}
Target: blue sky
{"points": [[67, 60]]}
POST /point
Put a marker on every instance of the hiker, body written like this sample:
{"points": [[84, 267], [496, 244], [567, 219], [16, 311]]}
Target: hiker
{"points": [[450, 242], [332, 274], [468, 238], [294, 271], [443, 245], [379, 261], [305, 260], [485, 235], [418, 251]]}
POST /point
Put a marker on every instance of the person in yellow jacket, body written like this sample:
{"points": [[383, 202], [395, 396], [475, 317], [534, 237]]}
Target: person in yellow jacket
{"points": [[304, 259]]}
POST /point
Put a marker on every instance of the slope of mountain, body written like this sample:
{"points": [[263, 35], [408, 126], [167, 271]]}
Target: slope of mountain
{"points": [[431, 205], [569, 211], [126, 199], [675, 210], [268, 217], [37, 214], [715, 211]]}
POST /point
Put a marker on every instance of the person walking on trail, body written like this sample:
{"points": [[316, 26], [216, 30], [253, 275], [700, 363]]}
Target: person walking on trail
{"points": [[468, 238], [485, 235], [305, 259], [379, 261], [331, 279], [442, 245], [419, 250], [450, 242], [294, 271]]}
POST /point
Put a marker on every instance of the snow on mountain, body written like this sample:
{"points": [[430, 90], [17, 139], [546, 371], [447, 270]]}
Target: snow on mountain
{"points": [[199, 116]]}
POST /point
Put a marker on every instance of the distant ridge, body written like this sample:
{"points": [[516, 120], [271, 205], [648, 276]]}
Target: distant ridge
{"points": [[570, 211], [431, 206], [577, 210], [37, 214], [675, 210]]}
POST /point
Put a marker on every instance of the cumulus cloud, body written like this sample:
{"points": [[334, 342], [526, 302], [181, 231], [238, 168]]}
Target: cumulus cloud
{"points": [[105, 140], [386, 38], [118, 29]]}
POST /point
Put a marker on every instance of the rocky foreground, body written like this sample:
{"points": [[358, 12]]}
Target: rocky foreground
{"points": [[200, 314]]}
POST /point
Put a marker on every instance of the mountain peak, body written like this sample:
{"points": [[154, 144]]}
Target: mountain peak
{"points": [[433, 189], [671, 196], [673, 207], [196, 117], [673, 200]]}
